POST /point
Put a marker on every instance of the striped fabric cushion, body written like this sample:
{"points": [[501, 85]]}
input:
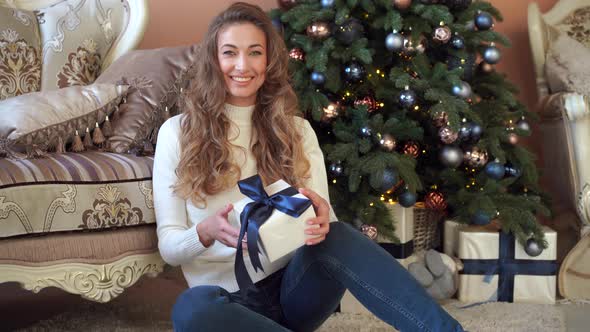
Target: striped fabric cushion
{"points": [[75, 191], [75, 168]]}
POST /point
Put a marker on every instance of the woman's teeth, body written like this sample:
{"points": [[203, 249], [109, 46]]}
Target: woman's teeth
{"points": [[241, 79]]}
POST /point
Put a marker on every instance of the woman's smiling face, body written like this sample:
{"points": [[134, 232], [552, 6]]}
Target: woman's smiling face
{"points": [[242, 58]]}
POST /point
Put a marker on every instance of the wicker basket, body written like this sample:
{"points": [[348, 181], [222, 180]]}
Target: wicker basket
{"points": [[426, 228]]}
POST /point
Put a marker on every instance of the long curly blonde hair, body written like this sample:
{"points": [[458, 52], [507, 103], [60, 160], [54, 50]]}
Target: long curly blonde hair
{"points": [[206, 166]]}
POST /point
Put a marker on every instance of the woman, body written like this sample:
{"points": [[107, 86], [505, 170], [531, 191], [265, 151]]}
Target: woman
{"points": [[239, 121]]}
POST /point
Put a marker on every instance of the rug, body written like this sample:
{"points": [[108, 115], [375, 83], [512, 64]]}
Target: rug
{"points": [[490, 317]]}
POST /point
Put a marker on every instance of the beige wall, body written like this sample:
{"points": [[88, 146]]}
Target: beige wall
{"points": [[178, 22]]}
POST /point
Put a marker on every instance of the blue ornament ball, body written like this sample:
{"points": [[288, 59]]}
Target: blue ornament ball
{"points": [[278, 24], [407, 199], [495, 170], [480, 218], [318, 78], [476, 132], [407, 98], [327, 3], [457, 42], [390, 178], [483, 21]]}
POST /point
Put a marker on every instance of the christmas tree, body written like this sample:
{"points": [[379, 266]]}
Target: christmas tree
{"points": [[408, 107]]}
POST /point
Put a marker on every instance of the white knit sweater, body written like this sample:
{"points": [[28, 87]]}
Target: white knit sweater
{"points": [[177, 218]]}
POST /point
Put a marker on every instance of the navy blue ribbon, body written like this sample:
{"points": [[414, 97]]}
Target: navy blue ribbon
{"points": [[399, 251], [254, 215], [507, 266]]}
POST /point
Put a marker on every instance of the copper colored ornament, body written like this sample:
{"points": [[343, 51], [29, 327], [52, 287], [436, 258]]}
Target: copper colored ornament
{"points": [[367, 101], [330, 112], [485, 67], [402, 4], [440, 119], [287, 4], [297, 54], [435, 200], [370, 231], [476, 157], [387, 142], [513, 138], [318, 30], [412, 149], [447, 135], [442, 34]]}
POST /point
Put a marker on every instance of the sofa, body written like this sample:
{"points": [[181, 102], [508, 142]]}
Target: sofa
{"points": [[560, 44], [79, 113]]}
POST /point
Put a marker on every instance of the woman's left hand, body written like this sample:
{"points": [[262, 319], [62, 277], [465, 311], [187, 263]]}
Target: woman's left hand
{"points": [[320, 225]]}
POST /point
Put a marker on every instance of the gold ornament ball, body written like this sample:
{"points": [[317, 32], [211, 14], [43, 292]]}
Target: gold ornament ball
{"points": [[402, 4], [370, 231], [476, 157], [513, 138], [330, 112], [442, 34], [318, 30], [387, 142], [297, 54], [435, 200], [447, 135], [412, 149]]}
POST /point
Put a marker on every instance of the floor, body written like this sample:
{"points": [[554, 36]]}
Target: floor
{"points": [[20, 308]]}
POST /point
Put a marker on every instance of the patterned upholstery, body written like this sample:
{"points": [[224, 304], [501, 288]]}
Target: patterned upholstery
{"points": [[74, 191], [577, 25], [20, 53]]}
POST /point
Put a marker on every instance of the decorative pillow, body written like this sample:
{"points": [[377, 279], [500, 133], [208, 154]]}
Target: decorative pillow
{"points": [[20, 53], [156, 78], [76, 36], [36, 122], [567, 66]]}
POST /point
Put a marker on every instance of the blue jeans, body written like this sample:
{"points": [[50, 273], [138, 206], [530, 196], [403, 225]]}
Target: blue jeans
{"points": [[308, 290]]}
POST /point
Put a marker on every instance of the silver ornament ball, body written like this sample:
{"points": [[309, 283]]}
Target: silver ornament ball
{"points": [[491, 55], [523, 125], [451, 156], [532, 248], [394, 42], [462, 90]]}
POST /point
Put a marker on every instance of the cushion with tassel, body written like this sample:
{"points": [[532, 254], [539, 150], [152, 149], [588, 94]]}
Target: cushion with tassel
{"points": [[156, 78], [38, 122]]}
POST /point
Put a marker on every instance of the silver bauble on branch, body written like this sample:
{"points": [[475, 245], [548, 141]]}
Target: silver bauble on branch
{"points": [[451, 156], [462, 90], [522, 124], [532, 248], [491, 54], [318, 30], [394, 42]]}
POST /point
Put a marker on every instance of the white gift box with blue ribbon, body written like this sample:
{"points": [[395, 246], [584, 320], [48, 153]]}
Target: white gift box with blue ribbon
{"points": [[496, 268]]}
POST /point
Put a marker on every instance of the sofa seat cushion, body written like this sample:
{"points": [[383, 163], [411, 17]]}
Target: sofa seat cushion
{"points": [[75, 191], [87, 247]]}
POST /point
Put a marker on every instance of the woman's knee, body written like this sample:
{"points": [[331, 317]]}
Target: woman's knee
{"points": [[196, 305]]}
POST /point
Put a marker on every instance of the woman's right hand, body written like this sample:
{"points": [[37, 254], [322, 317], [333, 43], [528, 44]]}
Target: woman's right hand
{"points": [[218, 228]]}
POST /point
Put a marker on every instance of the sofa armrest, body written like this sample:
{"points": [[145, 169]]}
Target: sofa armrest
{"points": [[566, 126]]}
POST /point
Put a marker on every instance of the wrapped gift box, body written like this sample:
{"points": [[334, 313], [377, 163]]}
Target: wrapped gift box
{"points": [[451, 237], [404, 230], [496, 268], [402, 251], [280, 234]]}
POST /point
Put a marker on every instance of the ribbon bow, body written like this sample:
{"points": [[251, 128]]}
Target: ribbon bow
{"points": [[255, 214]]}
